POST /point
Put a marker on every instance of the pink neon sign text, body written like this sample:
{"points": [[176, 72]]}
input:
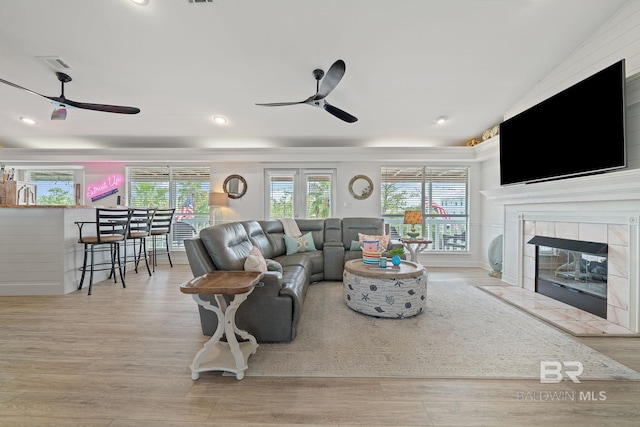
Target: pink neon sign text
{"points": [[111, 183]]}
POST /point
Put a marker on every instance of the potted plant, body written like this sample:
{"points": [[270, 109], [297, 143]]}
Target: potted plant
{"points": [[396, 253]]}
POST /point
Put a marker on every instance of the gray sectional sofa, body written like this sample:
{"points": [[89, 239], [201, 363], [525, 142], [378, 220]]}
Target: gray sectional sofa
{"points": [[272, 312]]}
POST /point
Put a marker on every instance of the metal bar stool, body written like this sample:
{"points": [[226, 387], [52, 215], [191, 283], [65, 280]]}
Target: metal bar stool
{"points": [[139, 230], [161, 226], [111, 228]]}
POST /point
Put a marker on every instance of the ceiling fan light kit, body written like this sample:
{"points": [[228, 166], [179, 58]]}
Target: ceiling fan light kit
{"points": [[323, 88], [59, 113]]}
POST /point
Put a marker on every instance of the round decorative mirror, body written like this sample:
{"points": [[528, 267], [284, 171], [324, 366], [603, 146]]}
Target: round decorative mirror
{"points": [[235, 186], [360, 187]]}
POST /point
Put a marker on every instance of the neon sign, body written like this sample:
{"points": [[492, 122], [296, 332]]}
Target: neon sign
{"points": [[105, 188]]}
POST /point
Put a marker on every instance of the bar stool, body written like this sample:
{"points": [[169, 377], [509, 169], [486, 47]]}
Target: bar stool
{"points": [[161, 226], [111, 228], [139, 230]]}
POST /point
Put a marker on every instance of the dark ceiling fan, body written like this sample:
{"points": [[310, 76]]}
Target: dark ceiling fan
{"points": [[61, 103], [323, 88]]}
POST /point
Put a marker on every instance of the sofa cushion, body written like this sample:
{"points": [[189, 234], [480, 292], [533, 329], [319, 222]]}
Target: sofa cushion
{"points": [[300, 260], [316, 227], [355, 245], [228, 245], [258, 238], [354, 225], [382, 239], [274, 231], [303, 243], [255, 261], [273, 265]]}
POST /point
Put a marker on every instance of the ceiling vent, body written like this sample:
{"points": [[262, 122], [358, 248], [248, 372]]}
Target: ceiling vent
{"points": [[55, 62], [199, 1]]}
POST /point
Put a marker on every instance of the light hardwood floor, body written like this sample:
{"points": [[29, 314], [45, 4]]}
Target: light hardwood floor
{"points": [[120, 358]]}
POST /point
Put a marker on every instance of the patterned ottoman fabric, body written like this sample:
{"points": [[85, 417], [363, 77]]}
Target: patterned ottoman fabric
{"points": [[386, 297]]}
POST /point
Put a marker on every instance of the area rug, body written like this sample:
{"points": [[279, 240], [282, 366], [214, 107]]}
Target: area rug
{"points": [[463, 333]]}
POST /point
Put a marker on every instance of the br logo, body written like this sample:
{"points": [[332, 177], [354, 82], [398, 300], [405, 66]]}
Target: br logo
{"points": [[551, 372]]}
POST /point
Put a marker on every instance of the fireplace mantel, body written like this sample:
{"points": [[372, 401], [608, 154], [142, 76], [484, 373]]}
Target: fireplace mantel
{"points": [[612, 186]]}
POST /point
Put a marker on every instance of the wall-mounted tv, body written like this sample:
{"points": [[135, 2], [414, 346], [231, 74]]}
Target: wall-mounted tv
{"points": [[578, 131]]}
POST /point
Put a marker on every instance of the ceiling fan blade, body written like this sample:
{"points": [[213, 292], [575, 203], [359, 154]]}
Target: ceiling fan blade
{"points": [[331, 79], [342, 115], [20, 87], [95, 107], [280, 104], [59, 114]]}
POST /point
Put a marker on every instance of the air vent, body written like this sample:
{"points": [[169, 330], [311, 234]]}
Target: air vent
{"points": [[55, 62], [200, 1]]}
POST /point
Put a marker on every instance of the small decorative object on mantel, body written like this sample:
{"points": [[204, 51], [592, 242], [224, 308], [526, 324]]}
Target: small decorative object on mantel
{"points": [[491, 132], [472, 142]]}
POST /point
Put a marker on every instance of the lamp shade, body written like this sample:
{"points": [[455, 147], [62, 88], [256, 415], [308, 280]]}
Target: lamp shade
{"points": [[413, 217], [218, 199]]}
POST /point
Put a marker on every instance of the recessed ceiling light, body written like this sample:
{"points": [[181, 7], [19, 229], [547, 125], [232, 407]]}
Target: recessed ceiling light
{"points": [[28, 121], [220, 120], [442, 119], [141, 2]]}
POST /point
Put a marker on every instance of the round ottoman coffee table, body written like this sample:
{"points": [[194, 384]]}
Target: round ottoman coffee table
{"points": [[385, 292]]}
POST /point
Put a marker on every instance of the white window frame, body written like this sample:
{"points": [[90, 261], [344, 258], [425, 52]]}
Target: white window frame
{"points": [[448, 231], [299, 177]]}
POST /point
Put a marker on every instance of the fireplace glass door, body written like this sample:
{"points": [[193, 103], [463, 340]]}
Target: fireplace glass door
{"points": [[574, 277]]}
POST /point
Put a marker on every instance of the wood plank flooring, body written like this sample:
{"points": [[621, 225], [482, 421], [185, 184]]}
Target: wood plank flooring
{"points": [[120, 358]]}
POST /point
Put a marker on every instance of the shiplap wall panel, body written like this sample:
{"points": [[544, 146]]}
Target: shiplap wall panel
{"points": [[618, 39], [40, 254]]}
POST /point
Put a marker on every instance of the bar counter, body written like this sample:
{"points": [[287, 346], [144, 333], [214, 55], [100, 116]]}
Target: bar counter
{"points": [[39, 250]]}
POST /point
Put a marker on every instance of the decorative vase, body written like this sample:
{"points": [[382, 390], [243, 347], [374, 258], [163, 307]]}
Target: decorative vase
{"points": [[396, 260]]}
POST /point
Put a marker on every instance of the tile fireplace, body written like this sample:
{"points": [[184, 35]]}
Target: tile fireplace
{"points": [[584, 264], [599, 208]]}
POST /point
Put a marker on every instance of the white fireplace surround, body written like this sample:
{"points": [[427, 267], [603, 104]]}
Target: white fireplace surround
{"points": [[599, 208]]}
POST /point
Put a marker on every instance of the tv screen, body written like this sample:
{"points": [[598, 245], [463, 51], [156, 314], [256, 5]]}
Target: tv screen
{"points": [[578, 131]]}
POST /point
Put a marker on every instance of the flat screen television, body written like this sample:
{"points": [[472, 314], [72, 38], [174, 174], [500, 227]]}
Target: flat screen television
{"points": [[578, 131]]}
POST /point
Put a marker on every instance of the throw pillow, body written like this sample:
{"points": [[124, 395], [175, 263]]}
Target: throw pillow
{"points": [[303, 243], [255, 261], [273, 265], [383, 239], [355, 246]]}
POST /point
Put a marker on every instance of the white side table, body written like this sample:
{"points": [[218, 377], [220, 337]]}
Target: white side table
{"points": [[415, 246], [217, 355]]}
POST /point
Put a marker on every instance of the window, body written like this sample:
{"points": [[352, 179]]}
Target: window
{"points": [[53, 187], [299, 193], [441, 193], [185, 188]]}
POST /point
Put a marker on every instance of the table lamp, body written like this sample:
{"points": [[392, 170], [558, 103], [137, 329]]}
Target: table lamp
{"points": [[216, 201], [413, 218]]}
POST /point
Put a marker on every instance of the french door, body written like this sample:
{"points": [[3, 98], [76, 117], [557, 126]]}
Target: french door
{"points": [[299, 193]]}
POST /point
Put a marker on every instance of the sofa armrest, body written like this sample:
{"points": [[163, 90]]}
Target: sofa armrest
{"points": [[271, 284], [198, 257], [333, 253]]}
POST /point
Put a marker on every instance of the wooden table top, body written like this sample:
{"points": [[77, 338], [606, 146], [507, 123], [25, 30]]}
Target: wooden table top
{"points": [[222, 282], [407, 269]]}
